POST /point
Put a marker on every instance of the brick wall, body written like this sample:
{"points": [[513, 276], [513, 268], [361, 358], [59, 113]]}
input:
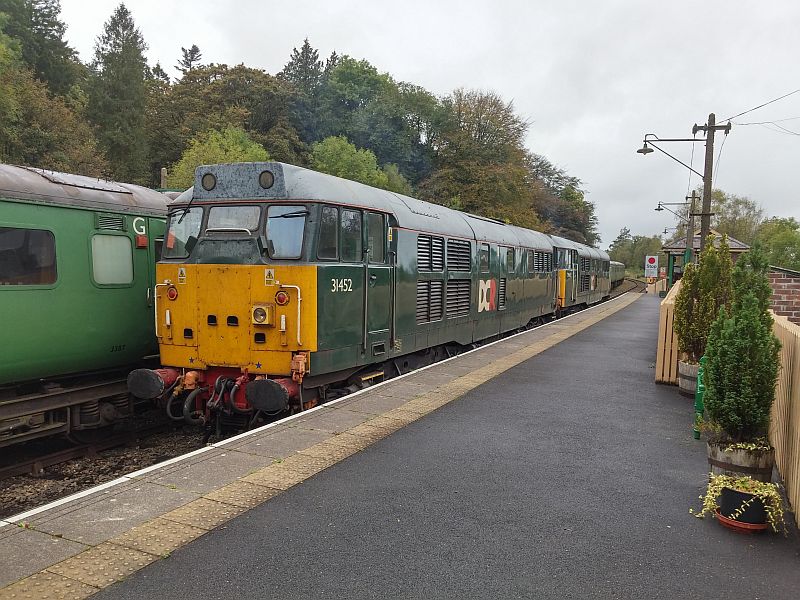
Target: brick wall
{"points": [[785, 294]]}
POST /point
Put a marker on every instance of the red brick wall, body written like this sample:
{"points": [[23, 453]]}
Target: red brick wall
{"points": [[785, 295]]}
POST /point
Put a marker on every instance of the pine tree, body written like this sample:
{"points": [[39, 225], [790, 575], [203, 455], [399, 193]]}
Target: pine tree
{"points": [[304, 69], [189, 59], [36, 27], [118, 95]]}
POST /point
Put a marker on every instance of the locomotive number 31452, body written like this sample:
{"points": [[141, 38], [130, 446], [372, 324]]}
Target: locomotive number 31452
{"points": [[341, 285]]}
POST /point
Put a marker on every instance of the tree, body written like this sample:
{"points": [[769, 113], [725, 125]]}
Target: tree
{"points": [[117, 96], [780, 239], [337, 156], [38, 129], [304, 69], [742, 355], [631, 250], [37, 28], [189, 59], [229, 145], [736, 216]]}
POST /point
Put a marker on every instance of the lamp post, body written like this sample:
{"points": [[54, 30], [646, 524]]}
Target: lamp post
{"points": [[650, 140]]}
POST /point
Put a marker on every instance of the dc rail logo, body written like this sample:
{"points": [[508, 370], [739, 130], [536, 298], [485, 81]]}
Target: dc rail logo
{"points": [[487, 292]]}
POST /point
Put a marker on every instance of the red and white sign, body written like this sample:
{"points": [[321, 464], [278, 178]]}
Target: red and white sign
{"points": [[651, 266]]}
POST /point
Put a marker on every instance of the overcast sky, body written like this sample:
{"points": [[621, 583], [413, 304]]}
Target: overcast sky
{"points": [[592, 77]]}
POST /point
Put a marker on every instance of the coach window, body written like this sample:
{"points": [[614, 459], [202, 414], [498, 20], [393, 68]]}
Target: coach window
{"points": [[27, 257], [112, 259], [328, 246], [376, 238], [484, 257], [351, 236], [531, 261], [285, 227]]}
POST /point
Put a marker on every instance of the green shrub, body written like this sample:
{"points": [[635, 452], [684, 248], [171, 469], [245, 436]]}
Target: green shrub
{"points": [[705, 288], [742, 356]]}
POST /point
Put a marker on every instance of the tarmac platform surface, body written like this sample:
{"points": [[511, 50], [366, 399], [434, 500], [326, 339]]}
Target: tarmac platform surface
{"points": [[548, 465]]}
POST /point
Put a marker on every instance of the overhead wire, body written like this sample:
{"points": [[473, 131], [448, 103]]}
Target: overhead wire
{"points": [[719, 156], [762, 105], [691, 164]]}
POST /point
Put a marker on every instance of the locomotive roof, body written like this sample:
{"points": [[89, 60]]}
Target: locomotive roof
{"points": [[241, 181], [65, 189], [583, 249]]}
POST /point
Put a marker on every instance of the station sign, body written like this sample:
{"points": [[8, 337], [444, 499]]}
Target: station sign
{"points": [[651, 266]]}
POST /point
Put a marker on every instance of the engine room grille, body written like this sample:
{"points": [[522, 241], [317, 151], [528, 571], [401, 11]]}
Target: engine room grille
{"points": [[585, 282], [458, 297], [459, 256], [501, 294], [103, 221], [430, 297], [430, 253]]}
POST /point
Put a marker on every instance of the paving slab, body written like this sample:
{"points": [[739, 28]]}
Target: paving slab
{"points": [[27, 552], [213, 471], [97, 522], [332, 420], [282, 443]]}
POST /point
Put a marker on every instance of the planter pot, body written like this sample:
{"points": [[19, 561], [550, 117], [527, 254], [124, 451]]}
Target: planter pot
{"points": [[732, 500], [740, 527], [755, 463], [687, 378]]}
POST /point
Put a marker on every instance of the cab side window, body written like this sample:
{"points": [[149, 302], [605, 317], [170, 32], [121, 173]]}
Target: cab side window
{"points": [[351, 236], [328, 246], [483, 257], [376, 238]]}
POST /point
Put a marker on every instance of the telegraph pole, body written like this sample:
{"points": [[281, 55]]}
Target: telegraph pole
{"points": [[705, 215], [688, 256]]}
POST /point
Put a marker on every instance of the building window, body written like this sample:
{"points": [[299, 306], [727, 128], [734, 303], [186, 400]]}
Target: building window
{"points": [[112, 260], [27, 257]]}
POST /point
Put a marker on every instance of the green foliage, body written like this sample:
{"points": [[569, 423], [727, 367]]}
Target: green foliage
{"points": [[226, 146], [705, 288], [780, 239], [736, 216], [767, 492], [395, 180], [117, 96], [336, 156], [39, 129], [189, 59], [631, 250], [36, 28], [742, 356]]}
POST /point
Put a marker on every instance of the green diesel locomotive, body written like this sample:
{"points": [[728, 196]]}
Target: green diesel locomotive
{"points": [[77, 258]]}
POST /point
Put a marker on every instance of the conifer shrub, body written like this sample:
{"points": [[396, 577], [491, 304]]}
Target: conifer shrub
{"points": [[742, 356], [705, 287]]}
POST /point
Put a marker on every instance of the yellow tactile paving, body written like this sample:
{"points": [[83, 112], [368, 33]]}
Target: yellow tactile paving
{"points": [[85, 573], [235, 498], [103, 565], [159, 536], [47, 586], [331, 452], [204, 513], [275, 477]]}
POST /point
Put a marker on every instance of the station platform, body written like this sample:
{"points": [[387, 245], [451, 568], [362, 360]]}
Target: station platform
{"points": [[545, 465]]}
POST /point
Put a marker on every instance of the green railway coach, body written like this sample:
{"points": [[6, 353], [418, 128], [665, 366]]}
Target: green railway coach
{"points": [[77, 259]]}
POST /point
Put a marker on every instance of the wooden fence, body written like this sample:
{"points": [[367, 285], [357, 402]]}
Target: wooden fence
{"points": [[784, 431], [667, 356]]}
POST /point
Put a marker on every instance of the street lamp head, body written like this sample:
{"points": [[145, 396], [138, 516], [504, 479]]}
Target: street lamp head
{"points": [[645, 149], [659, 208]]}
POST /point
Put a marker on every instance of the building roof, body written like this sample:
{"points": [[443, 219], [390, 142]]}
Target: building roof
{"points": [[679, 245]]}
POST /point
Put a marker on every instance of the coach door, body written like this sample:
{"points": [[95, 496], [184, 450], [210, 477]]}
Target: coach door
{"points": [[378, 290]]}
